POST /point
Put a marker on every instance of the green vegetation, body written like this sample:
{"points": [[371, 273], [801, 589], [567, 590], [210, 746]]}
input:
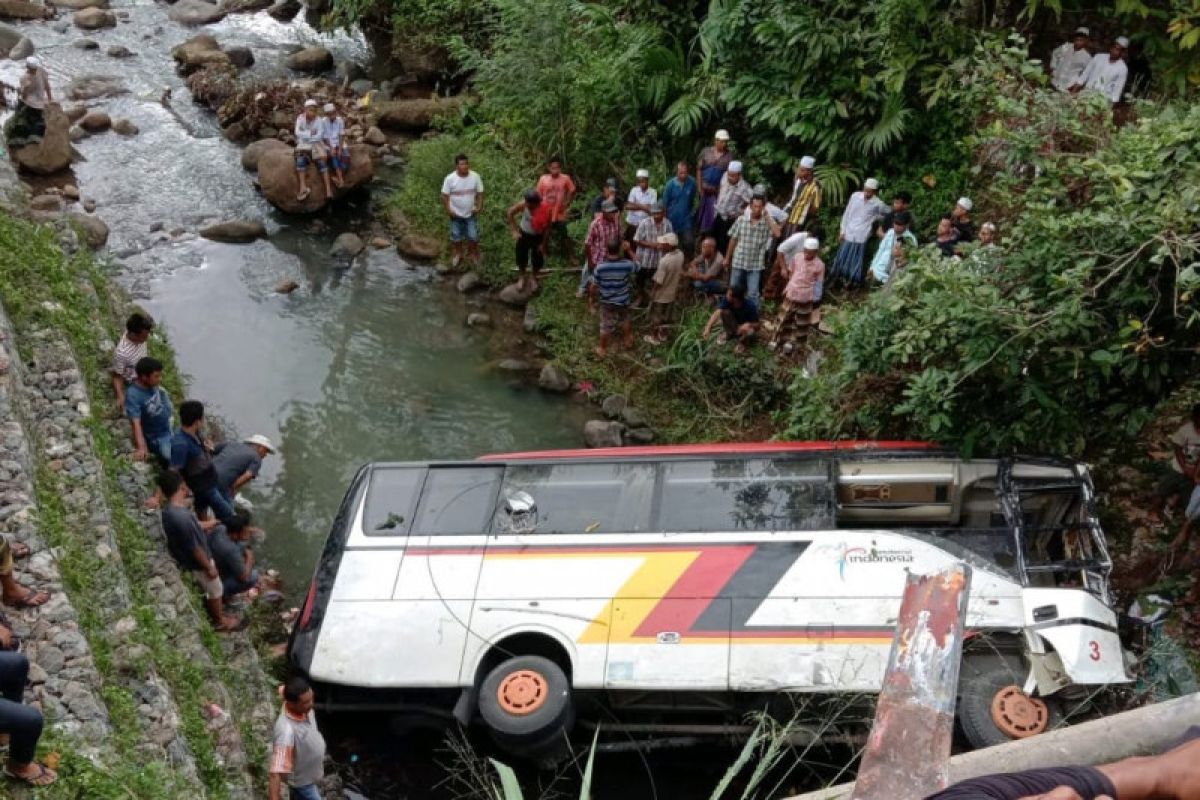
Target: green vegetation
{"points": [[44, 288]]}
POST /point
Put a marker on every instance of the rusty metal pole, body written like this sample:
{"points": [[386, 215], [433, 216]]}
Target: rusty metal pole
{"points": [[908, 753]]}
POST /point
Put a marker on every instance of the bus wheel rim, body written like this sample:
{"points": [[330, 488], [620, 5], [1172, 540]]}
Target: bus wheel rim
{"points": [[522, 692], [1018, 715]]}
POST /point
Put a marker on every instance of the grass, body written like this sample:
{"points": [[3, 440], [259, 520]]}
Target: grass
{"points": [[43, 287]]}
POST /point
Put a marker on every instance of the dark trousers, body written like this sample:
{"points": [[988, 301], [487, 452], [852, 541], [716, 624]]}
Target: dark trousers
{"points": [[21, 722], [731, 325], [720, 230], [213, 498], [529, 251]]}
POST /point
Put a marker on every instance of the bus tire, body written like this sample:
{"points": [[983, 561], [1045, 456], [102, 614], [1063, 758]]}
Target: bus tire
{"points": [[526, 701], [992, 709]]}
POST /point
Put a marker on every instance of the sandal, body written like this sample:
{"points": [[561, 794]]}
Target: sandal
{"points": [[31, 599], [303, 195], [43, 777]]}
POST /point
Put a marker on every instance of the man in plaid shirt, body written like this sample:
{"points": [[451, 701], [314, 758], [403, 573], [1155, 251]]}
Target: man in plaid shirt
{"points": [[749, 239]]}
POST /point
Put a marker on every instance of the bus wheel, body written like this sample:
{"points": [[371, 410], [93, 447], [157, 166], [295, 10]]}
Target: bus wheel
{"points": [[993, 709], [527, 703]]}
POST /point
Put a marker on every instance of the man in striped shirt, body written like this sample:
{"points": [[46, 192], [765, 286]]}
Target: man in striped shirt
{"points": [[297, 748], [611, 282], [130, 350]]}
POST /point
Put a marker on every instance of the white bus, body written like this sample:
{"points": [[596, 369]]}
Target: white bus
{"points": [[699, 582]]}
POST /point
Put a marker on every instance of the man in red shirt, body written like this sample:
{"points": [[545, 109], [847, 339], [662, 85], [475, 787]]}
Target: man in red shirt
{"points": [[558, 191]]}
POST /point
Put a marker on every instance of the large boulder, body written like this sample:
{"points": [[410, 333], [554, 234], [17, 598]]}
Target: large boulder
{"points": [[9, 36], [91, 19], [553, 379], [413, 115], [90, 87], [195, 12], [95, 122], [199, 52], [78, 4], [53, 154], [375, 136], [277, 178], [515, 295], [235, 231], [419, 247], [311, 59], [20, 9], [254, 151], [93, 228], [602, 433]]}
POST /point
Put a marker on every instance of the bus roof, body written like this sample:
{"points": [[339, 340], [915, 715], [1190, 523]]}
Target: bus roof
{"points": [[715, 449]]}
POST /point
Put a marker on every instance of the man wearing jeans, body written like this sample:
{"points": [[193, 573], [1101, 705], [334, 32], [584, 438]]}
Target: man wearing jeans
{"points": [[191, 455], [150, 414], [462, 197], [20, 725], [297, 748], [749, 239]]}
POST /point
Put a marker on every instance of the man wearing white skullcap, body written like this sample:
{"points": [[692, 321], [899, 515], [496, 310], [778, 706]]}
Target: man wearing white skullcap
{"points": [[862, 214], [1106, 72], [710, 168], [736, 193], [805, 275], [33, 95], [801, 211], [961, 219], [637, 205], [1070, 59]]}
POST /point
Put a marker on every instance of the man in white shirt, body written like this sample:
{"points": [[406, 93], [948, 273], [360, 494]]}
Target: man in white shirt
{"points": [[1070, 59], [333, 130], [310, 145], [1106, 72], [637, 205], [862, 214], [462, 197]]}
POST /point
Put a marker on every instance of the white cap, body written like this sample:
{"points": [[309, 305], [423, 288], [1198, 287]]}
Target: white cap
{"points": [[330, 107], [32, 62], [261, 441], [1121, 40], [722, 134], [808, 162], [643, 173], [310, 103], [669, 238], [735, 166], [812, 244], [871, 183], [965, 203], [1082, 30]]}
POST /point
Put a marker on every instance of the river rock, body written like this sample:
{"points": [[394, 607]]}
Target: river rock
{"points": [[347, 244], [639, 436], [362, 86], [515, 295], [419, 247], [241, 57], [235, 231], [93, 228], [95, 122], [380, 243], [633, 417], [553, 379], [613, 405], [195, 12], [285, 10], [125, 127], [90, 87], [514, 365], [602, 433], [478, 319], [22, 50], [245, 6], [469, 282], [19, 9], [119, 51], [46, 202], [375, 136], [76, 134], [9, 36], [79, 4], [311, 59], [54, 152], [277, 177], [254, 151], [86, 44], [71, 191], [413, 115], [286, 287], [92, 19]]}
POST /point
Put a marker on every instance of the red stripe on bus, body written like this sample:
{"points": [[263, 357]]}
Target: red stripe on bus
{"points": [[725, 448], [692, 593]]}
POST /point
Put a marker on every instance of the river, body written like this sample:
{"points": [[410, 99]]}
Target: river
{"points": [[368, 363]]}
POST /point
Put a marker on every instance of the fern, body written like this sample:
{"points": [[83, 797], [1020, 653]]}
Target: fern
{"points": [[888, 130]]}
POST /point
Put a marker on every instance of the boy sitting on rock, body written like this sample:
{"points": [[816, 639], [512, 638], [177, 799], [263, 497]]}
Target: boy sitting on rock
{"points": [[334, 133]]}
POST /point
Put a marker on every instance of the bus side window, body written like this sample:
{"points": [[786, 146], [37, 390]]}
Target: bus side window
{"points": [[391, 496], [575, 498], [458, 500], [746, 494]]}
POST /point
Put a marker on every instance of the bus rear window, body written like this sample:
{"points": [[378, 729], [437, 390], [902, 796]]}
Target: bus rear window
{"points": [[750, 494], [579, 498], [391, 497]]}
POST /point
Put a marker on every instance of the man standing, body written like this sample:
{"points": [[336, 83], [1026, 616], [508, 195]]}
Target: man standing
{"points": [[710, 169], [707, 270], [901, 201], [148, 407], [666, 287], [297, 748], [192, 457], [648, 241], [679, 197], [462, 197], [637, 206], [529, 222], [732, 200], [310, 145], [961, 218], [1106, 72], [610, 192], [188, 545], [604, 230], [805, 285], [895, 239], [802, 209], [33, 95], [238, 463], [130, 350], [738, 316], [863, 211], [611, 284], [558, 191], [1069, 60], [749, 239]]}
